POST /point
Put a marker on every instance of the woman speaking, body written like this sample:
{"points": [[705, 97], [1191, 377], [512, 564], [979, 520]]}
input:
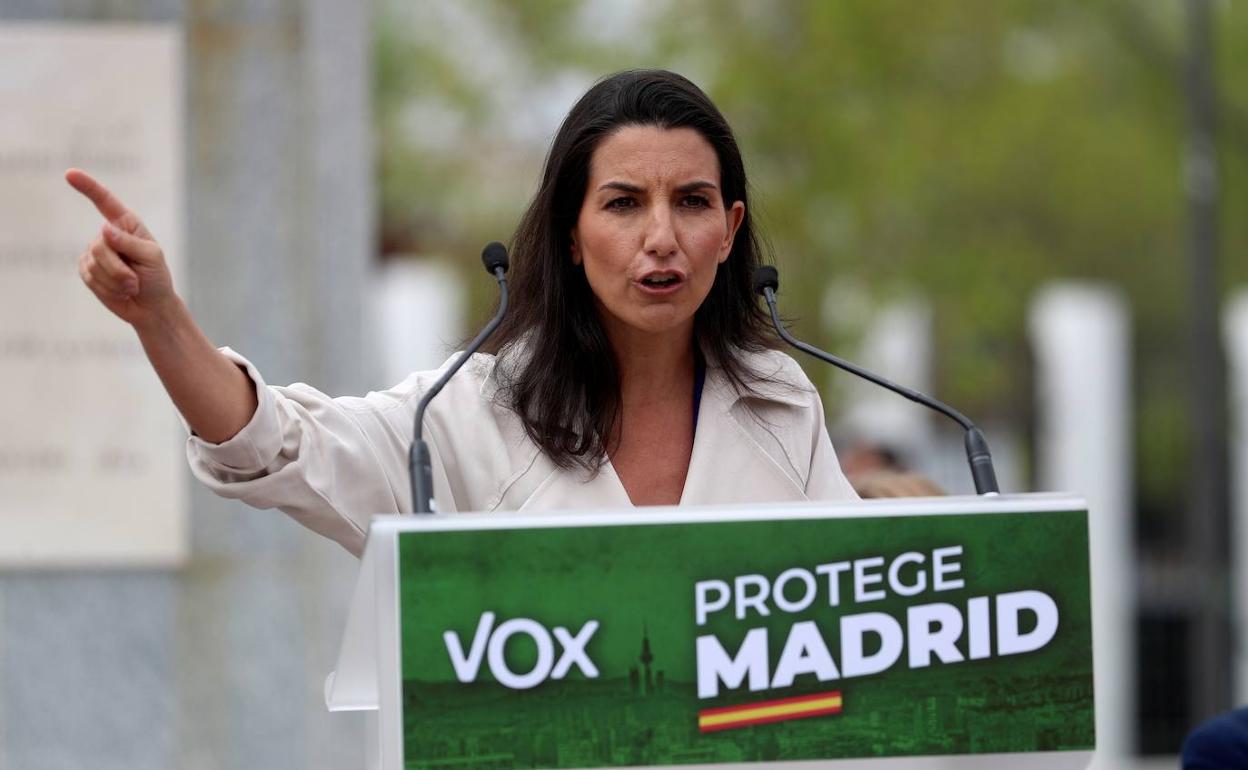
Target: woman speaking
{"points": [[634, 368]]}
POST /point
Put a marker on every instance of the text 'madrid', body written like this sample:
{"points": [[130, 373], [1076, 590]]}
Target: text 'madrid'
{"points": [[928, 633]]}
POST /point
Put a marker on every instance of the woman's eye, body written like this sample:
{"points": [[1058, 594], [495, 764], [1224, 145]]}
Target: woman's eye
{"points": [[695, 201], [620, 204]]}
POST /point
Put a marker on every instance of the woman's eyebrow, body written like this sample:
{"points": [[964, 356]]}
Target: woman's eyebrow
{"points": [[622, 186], [697, 184], [687, 187]]}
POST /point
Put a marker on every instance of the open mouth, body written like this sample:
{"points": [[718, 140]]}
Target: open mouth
{"points": [[661, 280]]}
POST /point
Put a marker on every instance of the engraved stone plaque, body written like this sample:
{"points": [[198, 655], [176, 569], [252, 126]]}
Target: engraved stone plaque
{"points": [[91, 465]]}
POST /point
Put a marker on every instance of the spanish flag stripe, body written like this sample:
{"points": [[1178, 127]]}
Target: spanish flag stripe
{"points": [[767, 704], [766, 720], [769, 711], [765, 710]]}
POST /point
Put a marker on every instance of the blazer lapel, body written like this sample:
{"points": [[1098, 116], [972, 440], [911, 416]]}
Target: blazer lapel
{"points": [[564, 490], [728, 464]]}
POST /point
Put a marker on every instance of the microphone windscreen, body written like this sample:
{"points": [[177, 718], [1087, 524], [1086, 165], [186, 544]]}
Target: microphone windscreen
{"points": [[766, 277], [494, 256]]}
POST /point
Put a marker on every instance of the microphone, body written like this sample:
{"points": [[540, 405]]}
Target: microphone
{"points": [[767, 282], [420, 464]]}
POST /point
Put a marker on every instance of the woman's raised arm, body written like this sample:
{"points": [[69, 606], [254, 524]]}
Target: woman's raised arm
{"points": [[125, 268]]}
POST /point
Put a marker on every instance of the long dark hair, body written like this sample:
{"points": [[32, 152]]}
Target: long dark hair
{"points": [[564, 383]]}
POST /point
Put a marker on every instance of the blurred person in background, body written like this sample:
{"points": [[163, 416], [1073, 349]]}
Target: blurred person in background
{"points": [[875, 470], [635, 366]]}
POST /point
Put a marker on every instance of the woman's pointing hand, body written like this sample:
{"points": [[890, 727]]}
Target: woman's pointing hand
{"points": [[123, 266]]}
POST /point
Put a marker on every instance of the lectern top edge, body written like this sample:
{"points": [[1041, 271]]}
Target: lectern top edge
{"points": [[902, 507]]}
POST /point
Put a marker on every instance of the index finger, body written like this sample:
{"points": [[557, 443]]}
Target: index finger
{"points": [[108, 204]]}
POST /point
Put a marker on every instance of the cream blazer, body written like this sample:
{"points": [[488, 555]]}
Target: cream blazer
{"points": [[331, 463]]}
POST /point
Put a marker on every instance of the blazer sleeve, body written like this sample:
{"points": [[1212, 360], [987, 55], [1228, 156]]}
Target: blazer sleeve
{"points": [[329, 463]]}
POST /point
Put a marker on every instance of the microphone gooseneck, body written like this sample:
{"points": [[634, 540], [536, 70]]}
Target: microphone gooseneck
{"points": [[767, 282], [420, 464]]}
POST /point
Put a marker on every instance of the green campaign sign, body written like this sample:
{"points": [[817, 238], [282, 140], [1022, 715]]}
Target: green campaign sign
{"points": [[744, 638]]}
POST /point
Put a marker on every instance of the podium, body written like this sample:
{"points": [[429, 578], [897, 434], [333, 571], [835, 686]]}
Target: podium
{"points": [[917, 633]]}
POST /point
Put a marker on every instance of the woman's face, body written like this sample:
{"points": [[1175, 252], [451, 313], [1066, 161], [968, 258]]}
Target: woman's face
{"points": [[653, 228]]}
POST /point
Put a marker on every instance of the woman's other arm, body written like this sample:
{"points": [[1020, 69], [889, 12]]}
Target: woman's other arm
{"points": [[126, 270]]}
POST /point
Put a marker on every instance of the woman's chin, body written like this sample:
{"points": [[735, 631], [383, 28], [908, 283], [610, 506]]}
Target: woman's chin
{"points": [[661, 319]]}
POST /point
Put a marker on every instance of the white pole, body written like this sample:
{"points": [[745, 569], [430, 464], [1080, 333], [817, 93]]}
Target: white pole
{"points": [[897, 345], [1081, 339], [417, 315], [1236, 331]]}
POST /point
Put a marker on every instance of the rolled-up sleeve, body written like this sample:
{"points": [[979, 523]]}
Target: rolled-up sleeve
{"points": [[328, 463], [252, 449]]}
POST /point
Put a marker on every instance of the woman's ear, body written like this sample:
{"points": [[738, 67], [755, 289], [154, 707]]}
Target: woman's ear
{"points": [[735, 215], [576, 251]]}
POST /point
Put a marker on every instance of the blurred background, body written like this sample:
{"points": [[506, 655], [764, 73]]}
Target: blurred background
{"points": [[1034, 210]]}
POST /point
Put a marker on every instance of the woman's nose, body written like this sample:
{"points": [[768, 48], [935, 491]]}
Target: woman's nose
{"points": [[660, 235]]}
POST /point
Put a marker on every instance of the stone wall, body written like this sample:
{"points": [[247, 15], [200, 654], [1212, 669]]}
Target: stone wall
{"points": [[221, 664]]}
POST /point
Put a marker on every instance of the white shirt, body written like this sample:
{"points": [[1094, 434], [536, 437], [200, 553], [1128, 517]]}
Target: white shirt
{"points": [[332, 463]]}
